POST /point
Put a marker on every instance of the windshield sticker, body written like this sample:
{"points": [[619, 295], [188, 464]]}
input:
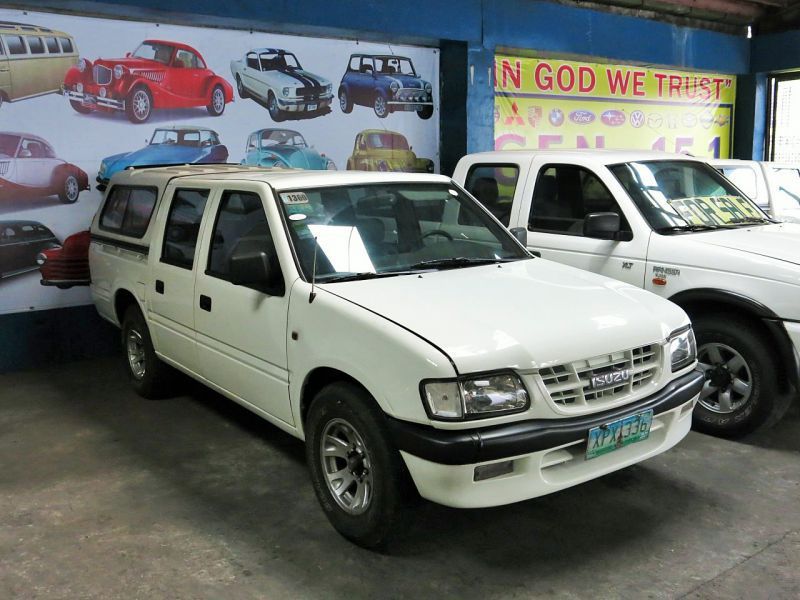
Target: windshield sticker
{"points": [[294, 198], [715, 210], [297, 217]]}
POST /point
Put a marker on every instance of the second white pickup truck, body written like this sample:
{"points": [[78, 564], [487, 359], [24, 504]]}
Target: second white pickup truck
{"points": [[675, 226]]}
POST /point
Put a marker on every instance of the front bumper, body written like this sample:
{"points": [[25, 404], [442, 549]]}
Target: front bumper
{"points": [[792, 349], [92, 100], [305, 104], [548, 454]]}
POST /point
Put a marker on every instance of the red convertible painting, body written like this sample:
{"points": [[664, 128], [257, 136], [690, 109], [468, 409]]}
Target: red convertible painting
{"points": [[157, 75]]}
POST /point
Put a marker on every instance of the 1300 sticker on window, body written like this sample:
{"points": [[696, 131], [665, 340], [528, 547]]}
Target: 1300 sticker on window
{"points": [[294, 198]]}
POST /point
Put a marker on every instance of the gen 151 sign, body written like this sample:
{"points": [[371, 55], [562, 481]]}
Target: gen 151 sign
{"points": [[543, 103]]}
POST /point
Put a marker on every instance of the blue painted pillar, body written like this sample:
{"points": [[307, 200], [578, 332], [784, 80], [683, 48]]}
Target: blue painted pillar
{"points": [[480, 98]]}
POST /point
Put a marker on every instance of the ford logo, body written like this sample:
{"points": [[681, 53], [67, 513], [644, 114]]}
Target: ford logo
{"points": [[581, 117], [613, 118]]}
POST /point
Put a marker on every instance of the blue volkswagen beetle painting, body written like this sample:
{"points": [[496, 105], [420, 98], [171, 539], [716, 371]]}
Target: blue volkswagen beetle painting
{"points": [[168, 146], [283, 148], [387, 84]]}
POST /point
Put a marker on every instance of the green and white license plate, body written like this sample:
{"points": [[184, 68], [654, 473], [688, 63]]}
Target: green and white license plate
{"points": [[618, 434]]}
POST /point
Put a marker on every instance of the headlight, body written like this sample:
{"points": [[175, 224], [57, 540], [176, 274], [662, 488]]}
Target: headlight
{"points": [[682, 349], [328, 88], [119, 70], [394, 86], [82, 65], [474, 397], [79, 87], [103, 168], [330, 165], [428, 87], [41, 259], [285, 91]]}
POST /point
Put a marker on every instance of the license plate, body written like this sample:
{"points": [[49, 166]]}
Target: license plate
{"points": [[618, 434], [412, 107], [312, 107], [89, 101]]}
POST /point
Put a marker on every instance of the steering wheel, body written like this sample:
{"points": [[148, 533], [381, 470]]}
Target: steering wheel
{"points": [[440, 232]]}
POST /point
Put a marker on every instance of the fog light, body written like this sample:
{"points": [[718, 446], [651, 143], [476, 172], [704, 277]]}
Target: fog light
{"points": [[484, 472]]}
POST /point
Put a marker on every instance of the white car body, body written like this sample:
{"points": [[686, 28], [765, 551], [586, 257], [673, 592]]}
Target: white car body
{"points": [[391, 334], [751, 273], [775, 187], [295, 90]]}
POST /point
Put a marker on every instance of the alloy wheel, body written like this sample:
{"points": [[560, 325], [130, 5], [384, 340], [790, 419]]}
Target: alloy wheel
{"points": [[218, 100], [729, 381], [141, 105], [347, 466], [71, 188], [137, 360]]}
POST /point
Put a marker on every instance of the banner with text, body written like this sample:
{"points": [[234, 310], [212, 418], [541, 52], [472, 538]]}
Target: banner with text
{"points": [[559, 104]]}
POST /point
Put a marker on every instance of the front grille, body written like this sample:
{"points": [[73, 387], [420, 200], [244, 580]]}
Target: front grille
{"points": [[4, 166], [412, 95], [314, 90], [569, 384], [101, 75]]}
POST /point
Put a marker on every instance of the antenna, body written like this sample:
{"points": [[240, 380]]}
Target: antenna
{"points": [[313, 294]]}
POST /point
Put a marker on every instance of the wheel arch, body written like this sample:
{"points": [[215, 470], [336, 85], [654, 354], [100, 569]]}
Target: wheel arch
{"points": [[124, 298], [709, 301], [317, 379]]}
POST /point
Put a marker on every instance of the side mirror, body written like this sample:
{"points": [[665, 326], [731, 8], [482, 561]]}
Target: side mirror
{"points": [[128, 55], [253, 268], [521, 234], [604, 226]]}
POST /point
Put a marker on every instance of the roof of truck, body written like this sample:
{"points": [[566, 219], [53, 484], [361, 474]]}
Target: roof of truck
{"points": [[605, 156]]}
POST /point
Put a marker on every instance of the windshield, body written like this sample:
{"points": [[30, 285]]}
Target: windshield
{"points": [[394, 65], [157, 52], [386, 141], [788, 196], [278, 62], [389, 229], [282, 137], [681, 194], [8, 144]]}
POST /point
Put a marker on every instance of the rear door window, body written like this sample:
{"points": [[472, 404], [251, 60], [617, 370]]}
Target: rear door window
{"points": [[15, 44], [128, 210], [494, 187], [183, 227]]}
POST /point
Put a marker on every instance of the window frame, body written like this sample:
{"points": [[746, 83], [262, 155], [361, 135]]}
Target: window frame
{"points": [[172, 262], [478, 165], [121, 230]]}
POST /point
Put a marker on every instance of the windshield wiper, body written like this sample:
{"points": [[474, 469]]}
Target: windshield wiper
{"points": [[751, 220], [687, 227], [365, 275], [456, 262]]}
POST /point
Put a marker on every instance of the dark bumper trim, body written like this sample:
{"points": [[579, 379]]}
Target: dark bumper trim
{"points": [[469, 446]]}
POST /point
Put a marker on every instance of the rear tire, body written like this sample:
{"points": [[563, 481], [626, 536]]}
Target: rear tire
{"points": [[70, 190], [741, 393], [149, 376], [216, 103], [347, 437]]}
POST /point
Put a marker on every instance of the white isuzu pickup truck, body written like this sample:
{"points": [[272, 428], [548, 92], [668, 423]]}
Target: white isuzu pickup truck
{"points": [[393, 324], [674, 226]]}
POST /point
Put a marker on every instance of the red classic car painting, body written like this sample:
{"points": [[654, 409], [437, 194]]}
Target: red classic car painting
{"points": [[68, 265], [157, 75]]}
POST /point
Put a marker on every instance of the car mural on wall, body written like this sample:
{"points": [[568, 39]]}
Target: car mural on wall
{"points": [[68, 265], [275, 77], [387, 83], [176, 145], [33, 60], [283, 148], [381, 150], [157, 75], [29, 167], [20, 243]]}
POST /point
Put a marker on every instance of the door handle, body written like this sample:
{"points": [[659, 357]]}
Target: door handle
{"points": [[535, 252], [205, 303], [159, 286]]}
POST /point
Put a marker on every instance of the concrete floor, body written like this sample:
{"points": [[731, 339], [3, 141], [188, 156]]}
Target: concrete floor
{"points": [[106, 495]]}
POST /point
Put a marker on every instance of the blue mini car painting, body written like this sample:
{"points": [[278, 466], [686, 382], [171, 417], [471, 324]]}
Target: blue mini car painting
{"points": [[387, 84], [283, 148], [168, 146]]}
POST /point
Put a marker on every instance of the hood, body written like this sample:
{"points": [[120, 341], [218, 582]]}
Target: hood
{"points": [[157, 154], [407, 81], [298, 158], [297, 78], [526, 314], [780, 241]]}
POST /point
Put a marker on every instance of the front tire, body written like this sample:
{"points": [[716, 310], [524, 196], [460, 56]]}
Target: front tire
{"points": [[139, 105], [70, 190], [79, 108], [149, 377], [425, 113], [741, 392], [216, 103], [345, 102], [358, 476], [240, 89], [274, 110], [380, 106]]}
